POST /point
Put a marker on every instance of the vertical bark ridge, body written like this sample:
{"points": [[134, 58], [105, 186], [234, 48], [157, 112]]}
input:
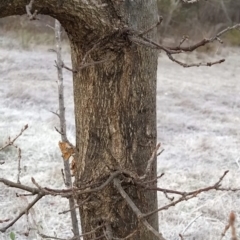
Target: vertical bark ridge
{"points": [[116, 124]]}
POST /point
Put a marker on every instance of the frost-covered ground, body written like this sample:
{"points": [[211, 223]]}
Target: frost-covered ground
{"points": [[198, 126]]}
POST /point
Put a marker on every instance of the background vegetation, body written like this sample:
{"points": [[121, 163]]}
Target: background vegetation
{"points": [[199, 20]]}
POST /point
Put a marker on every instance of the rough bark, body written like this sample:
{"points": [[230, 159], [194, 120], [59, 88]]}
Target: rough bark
{"points": [[115, 104]]}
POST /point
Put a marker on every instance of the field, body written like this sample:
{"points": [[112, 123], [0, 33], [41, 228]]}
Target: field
{"points": [[198, 125]]}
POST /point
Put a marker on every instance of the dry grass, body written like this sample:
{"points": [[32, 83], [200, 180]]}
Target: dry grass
{"points": [[198, 119]]}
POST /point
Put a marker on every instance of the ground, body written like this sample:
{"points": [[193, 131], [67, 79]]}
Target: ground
{"points": [[198, 117]]}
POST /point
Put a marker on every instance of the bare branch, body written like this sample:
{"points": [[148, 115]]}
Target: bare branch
{"points": [[69, 210], [229, 189], [53, 28], [31, 16], [11, 142], [184, 38], [208, 64], [68, 192], [203, 42], [152, 180], [8, 183], [55, 113], [128, 236], [61, 133], [169, 198], [19, 165], [83, 65], [25, 211], [73, 238], [150, 162], [138, 38], [189, 224], [160, 19], [4, 220], [135, 209], [63, 177], [186, 196], [60, 192], [42, 190]]}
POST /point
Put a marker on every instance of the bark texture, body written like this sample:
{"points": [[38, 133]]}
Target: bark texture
{"points": [[115, 104]]}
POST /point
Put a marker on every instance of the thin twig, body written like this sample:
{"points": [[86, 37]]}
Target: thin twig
{"points": [[203, 42], [68, 192], [55, 114], [135, 209], [51, 27], [150, 162], [69, 210], [31, 16], [189, 224], [160, 19], [137, 38], [152, 180], [58, 192], [75, 237], [24, 195], [169, 198], [186, 196], [4, 220], [19, 165], [184, 38], [11, 142], [58, 131], [128, 236], [61, 192], [82, 66], [8, 183], [63, 177], [25, 211], [208, 64]]}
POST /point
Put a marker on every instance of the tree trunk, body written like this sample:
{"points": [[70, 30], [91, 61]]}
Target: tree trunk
{"points": [[115, 110], [115, 105]]}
